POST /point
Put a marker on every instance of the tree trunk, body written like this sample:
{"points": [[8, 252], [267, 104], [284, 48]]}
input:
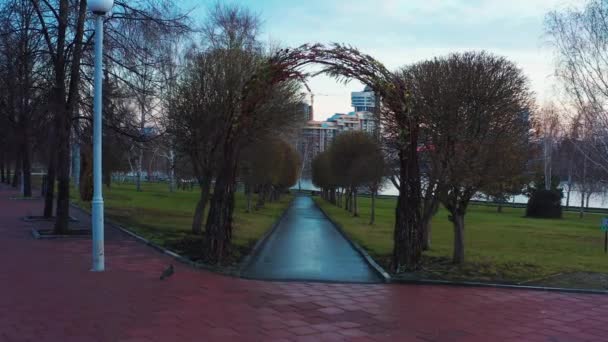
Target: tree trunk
{"points": [[430, 208], [85, 187], [15, 181], [547, 161], [62, 211], [588, 199], [581, 212], [427, 227], [63, 110], [2, 168], [107, 177], [171, 170], [345, 199], [407, 250], [569, 187], [499, 207], [142, 127], [76, 165], [140, 159], [218, 230], [24, 156], [583, 184], [197, 221], [26, 168], [458, 222], [261, 197], [372, 219], [249, 195], [349, 201], [49, 193], [355, 205]]}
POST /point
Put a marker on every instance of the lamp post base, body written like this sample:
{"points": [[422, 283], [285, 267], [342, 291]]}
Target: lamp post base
{"points": [[98, 236]]}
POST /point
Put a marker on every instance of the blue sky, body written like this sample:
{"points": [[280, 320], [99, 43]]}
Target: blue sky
{"points": [[400, 32]]}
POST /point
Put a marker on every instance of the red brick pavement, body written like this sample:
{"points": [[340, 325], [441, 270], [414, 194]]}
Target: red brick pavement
{"points": [[48, 294]]}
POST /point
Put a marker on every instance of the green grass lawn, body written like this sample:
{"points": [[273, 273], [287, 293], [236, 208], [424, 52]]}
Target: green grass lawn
{"points": [[165, 217], [505, 247]]}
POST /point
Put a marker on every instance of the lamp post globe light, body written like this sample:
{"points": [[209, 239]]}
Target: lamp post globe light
{"points": [[100, 8]]}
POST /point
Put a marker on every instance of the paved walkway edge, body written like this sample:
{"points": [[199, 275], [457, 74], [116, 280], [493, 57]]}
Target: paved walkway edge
{"points": [[262, 241], [385, 276], [494, 285], [176, 256], [221, 270]]}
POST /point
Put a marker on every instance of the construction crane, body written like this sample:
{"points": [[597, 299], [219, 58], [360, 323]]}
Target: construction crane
{"points": [[312, 98]]}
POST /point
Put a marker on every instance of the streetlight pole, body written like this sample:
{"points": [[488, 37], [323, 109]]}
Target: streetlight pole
{"points": [[99, 8]]}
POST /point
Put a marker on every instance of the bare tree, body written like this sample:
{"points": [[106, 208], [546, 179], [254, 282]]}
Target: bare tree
{"points": [[579, 37], [67, 37], [358, 159], [549, 127], [269, 166], [475, 108], [21, 72], [589, 176]]}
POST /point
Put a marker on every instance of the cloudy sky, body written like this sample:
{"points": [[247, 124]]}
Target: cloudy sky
{"points": [[399, 32]]}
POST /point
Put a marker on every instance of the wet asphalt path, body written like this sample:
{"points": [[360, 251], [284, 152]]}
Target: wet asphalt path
{"points": [[306, 246]]}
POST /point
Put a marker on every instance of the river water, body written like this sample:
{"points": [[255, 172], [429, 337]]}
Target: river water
{"points": [[599, 200]]}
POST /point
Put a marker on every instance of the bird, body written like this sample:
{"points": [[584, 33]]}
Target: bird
{"points": [[167, 273]]}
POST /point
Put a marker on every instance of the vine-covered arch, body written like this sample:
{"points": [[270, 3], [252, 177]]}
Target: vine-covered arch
{"points": [[343, 63]]}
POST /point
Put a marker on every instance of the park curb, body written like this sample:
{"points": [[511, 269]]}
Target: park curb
{"points": [[215, 269], [30, 218], [163, 250], [495, 285], [261, 242], [36, 235], [397, 280], [21, 198], [385, 276]]}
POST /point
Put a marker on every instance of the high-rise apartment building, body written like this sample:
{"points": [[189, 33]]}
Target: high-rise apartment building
{"points": [[317, 136], [363, 101]]}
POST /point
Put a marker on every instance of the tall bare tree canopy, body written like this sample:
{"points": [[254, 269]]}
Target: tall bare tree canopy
{"points": [[23, 80], [65, 30], [579, 36]]}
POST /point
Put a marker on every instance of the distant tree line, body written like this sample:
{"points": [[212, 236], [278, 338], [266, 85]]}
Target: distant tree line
{"points": [[354, 162], [45, 86]]}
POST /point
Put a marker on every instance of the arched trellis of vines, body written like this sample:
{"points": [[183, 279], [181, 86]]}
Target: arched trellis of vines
{"points": [[343, 63]]}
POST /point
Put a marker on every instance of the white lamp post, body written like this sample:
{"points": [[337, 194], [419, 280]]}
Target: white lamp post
{"points": [[99, 8]]}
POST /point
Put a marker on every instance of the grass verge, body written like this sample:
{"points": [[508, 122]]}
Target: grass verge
{"points": [[165, 218], [500, 247]]}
